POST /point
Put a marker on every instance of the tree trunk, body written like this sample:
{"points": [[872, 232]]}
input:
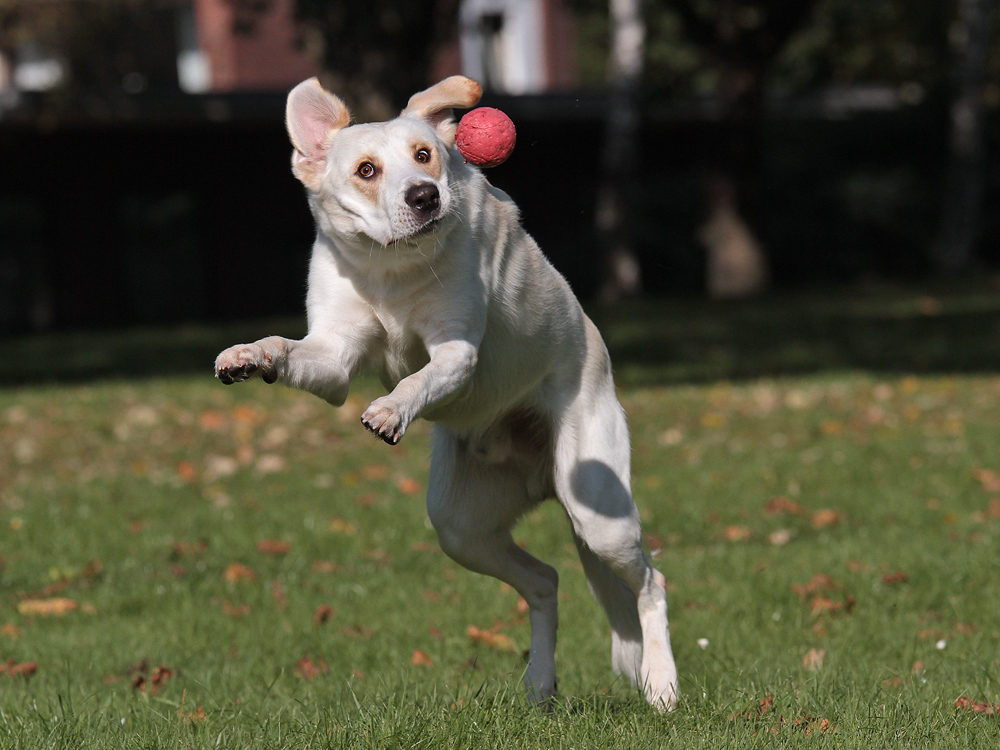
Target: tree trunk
{"points": [[960, 219], [628, 36]]}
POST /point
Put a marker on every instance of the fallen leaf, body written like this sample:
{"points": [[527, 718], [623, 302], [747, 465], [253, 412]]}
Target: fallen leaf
{"points": [[375, 471], [777, 506], [819, 582], [278, 594], [234, 610], [324, 566], [813, 659], [308, 670], [25, 669], [408, 486], [269, 463], [273, 547], [56, 607], [736, 533], [989, 480], [356, 631], [323, 613], [246, 414], [492, 639], [340, 526], [212, 419], [10, 630], [193, 717], [978, 707], [420, 659], [894, 577], [186, 471], [237, 572], [821, 519], [781, 537]]}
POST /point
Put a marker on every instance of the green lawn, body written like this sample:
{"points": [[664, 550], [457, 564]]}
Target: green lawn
{"points": [[188, 565]]}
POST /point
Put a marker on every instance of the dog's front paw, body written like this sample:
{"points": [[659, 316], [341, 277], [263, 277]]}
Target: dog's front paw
{"points": [[385, 420], [237, 363]]}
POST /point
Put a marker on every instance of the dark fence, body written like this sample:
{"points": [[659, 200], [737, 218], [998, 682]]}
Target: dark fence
{"points": [[157, 224]]}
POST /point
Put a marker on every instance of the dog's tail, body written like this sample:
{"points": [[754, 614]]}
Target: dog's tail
{"points": [[619, 602]]}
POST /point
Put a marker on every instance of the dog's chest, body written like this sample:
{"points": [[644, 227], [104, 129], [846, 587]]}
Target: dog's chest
{"points": [[402, 353]]}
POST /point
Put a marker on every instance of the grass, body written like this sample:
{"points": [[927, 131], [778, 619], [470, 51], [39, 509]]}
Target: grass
{"points": [[819, 477]]}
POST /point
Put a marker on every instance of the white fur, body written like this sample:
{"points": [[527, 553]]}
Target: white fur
{"points": [[469, 326]]}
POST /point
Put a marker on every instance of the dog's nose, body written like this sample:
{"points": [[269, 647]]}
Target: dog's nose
{"points": [[423, 198]]}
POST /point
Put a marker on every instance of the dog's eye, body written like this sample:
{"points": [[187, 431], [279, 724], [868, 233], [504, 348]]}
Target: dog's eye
{"points": [[423, 156], [366, 170]]}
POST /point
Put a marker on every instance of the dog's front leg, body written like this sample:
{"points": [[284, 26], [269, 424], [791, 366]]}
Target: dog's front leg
{"points": [[435, 384], [313, 365]]}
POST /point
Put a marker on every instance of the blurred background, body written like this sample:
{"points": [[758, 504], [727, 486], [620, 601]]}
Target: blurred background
{"points": [[722, 149]]}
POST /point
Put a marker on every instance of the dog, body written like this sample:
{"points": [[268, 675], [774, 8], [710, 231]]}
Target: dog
{"points": [[422, 273]]}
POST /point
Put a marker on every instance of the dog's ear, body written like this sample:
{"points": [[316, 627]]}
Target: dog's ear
{"points": [[312, 116], [435, 104]]}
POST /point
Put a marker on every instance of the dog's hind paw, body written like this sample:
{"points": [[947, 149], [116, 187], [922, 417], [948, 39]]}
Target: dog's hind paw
{"points": [[237, 363], [385, 421]]}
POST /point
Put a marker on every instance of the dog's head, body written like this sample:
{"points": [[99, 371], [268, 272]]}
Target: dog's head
{"points": [[388, 181]]}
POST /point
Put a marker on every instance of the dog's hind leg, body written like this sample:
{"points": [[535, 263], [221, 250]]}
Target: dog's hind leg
{"points": [[592, 457], [473, 504]]}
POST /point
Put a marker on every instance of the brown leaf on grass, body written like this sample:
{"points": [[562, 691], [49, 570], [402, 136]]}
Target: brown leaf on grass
{"points": [[408, 486], [781, 537], [237, 573], [273, 547], [234, 610], [340, 526], [10, 630], [181, 549], [819, 582], [781, 505], [492, 639], [324, 566], [813, 660], [323, 614], [762, 708], [822, 604], [977, 707], [375, 471], [420, 659], [213, 419], [197, 716], [735, 533], [278, 594], [25, 669], [356, 631], [308, 670], [821, 519], [989, 480], [897, 576], [56, 607], [246, 414], [186, 471], [144, 681]]}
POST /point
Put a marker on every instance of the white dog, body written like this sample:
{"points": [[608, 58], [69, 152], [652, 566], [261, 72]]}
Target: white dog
{"points": [[422, 273]]}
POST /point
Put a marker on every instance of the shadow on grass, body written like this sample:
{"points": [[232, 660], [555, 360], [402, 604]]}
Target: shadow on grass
{"points": [[652, 342], [881, 331]]}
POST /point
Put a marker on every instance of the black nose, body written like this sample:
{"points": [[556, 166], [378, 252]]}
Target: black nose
{"points": [[424, 198]]}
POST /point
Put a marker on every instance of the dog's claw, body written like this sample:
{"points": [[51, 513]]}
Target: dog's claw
{"points": [[238, 363], [384, 422]]}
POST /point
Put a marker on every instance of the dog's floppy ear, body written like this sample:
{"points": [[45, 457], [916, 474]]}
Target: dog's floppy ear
{"points": [[312, 116], [435, 104]]}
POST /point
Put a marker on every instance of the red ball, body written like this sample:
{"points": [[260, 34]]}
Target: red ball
{"points": [[485, 137]]}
